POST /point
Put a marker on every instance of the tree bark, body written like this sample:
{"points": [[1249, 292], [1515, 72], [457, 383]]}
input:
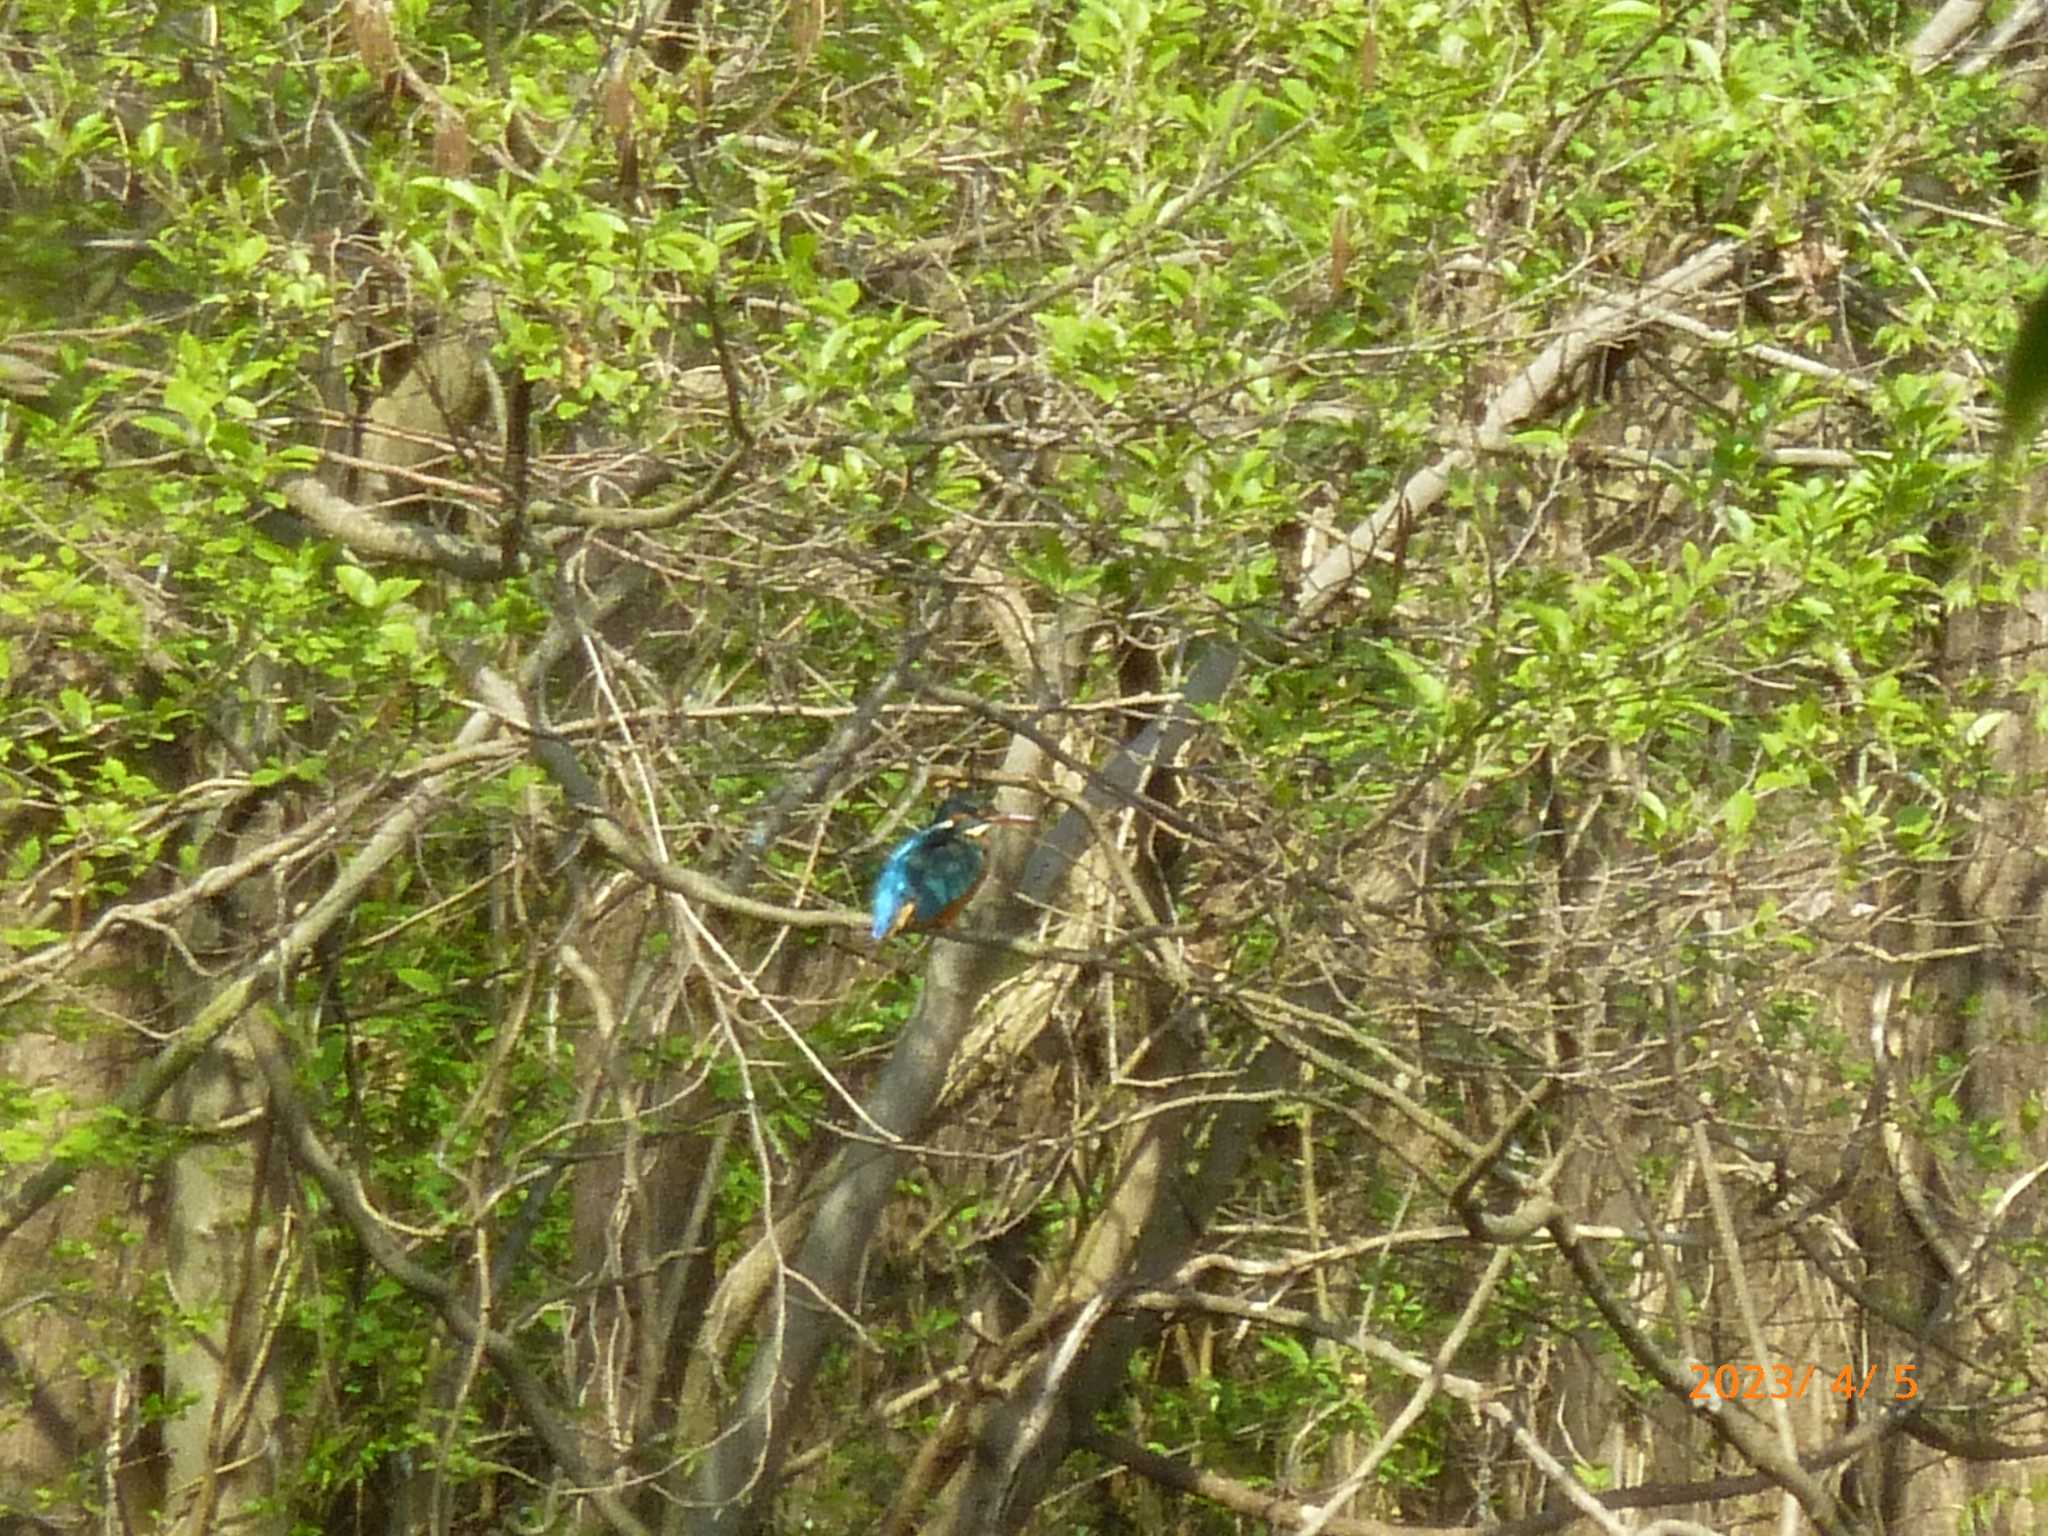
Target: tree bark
{"points": [[741, 1468]]}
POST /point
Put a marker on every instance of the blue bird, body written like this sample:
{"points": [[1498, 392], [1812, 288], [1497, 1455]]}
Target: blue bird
{"points": [[934, 872]]}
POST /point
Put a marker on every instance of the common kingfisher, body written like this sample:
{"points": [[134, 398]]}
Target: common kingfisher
{"points": [[934, 872]]}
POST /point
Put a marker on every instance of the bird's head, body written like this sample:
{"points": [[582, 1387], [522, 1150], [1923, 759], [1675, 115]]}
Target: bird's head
{"points": [[966, 816]]}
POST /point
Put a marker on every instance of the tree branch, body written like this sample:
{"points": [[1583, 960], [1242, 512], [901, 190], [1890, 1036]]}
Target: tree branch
{"points": [[379, 538]]}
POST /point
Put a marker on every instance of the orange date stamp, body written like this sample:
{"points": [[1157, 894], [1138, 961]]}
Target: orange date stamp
{"points": [[1752, 1381]]}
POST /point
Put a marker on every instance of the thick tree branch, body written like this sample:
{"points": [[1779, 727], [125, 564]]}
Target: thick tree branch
{"points": [[380, 538], [1254, 1503], [1597, 326], [741, 1468]]}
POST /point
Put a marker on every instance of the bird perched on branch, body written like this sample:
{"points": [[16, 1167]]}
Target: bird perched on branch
{"points": [[934, 872]]}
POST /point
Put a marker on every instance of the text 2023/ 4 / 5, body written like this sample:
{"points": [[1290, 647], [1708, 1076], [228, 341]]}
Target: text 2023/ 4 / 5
{"points": [[1755, 1382]]}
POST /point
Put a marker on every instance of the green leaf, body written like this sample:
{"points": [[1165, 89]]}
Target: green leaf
{"points": [[359, 585], [1738, 812], [400, 637], [2026, 372], [1981, 727], [1288, 1348], [1428, 688], [1416, 151], [1555, 623]]}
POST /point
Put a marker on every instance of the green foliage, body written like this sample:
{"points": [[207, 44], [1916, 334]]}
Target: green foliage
{"points": [[2026, 372], [1113, 315]]}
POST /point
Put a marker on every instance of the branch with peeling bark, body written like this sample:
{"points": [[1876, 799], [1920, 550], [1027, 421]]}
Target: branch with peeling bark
{"points": [[379, 538], [1593, 328]]}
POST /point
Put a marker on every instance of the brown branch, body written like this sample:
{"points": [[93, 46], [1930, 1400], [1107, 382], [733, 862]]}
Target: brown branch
{"points": [[1972, 1447], [379, 538], [561, 764], [301, 841], [745, 1463], [642, 519], [1741, 1432], [1598, 325], [1257, 1504], [1641, 1496]]}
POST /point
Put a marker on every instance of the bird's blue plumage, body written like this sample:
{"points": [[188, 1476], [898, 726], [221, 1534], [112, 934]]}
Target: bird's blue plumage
{"points": [[929, 876]]}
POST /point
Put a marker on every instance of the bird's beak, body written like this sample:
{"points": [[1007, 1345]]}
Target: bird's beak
{"points": [[980, 828]]}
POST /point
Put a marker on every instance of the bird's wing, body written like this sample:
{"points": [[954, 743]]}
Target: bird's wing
{"points": [[894, 901], [948, 873]]}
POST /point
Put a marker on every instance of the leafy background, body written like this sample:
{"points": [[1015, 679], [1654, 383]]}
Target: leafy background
{"points": [[1476, 529]]}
